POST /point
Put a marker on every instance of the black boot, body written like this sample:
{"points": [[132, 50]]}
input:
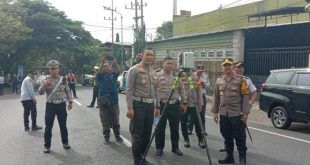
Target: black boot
{"points": [[229, 159], [242, 159]]}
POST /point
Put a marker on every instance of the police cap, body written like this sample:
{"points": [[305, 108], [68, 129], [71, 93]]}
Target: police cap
{"points": [[239, 64], [227, 61], [53, 64]]}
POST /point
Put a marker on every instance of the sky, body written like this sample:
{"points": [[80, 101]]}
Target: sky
{"points": [[93, 15]]}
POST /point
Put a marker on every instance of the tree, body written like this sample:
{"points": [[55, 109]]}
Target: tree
{"points": [[38, 32], [164, 31], [117, 37]]}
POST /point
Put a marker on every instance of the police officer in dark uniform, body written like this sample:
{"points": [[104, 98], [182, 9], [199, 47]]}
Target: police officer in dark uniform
{"points": [[57, 94], [231, 104], [140, 98]]}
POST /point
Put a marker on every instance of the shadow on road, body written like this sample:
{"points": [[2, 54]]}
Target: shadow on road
{"points": [[72, 157], [301, 128]]}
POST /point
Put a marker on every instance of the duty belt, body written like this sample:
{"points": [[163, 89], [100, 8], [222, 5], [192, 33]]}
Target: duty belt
{"points": [[56, 101], [170, 102], [144, 100]]}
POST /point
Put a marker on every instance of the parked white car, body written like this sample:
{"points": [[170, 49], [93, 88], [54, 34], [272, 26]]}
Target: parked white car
{"points": [[121, 82]]}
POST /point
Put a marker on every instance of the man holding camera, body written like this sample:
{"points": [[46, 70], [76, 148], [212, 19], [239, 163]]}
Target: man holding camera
{"points": [[108, 98], [140, 98], [172, 113], [57, 94]]}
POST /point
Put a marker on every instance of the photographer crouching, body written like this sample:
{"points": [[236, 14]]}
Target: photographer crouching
{"points": [[108, 98]]}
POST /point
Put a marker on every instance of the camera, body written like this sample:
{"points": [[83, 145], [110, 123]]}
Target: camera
{"points": [[186, 60]]}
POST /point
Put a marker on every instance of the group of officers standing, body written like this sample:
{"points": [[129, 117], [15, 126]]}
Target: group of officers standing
{"points": [[148, 92]]}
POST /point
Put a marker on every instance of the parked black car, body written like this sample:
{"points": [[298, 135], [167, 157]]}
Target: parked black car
{"points": [[285, 97]]}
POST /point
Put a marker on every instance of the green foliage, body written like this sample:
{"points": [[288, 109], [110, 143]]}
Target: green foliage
{"points": [[164, 31], [34, 32]]}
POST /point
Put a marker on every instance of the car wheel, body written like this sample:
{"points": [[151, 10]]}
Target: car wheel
{"points": [[280, 118]]}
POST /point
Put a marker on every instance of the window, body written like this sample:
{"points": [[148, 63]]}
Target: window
{"points": [[203, 54], [229, 53], [219, 54], [210, 54], [303, 80], [196, 54], [283, 77]]}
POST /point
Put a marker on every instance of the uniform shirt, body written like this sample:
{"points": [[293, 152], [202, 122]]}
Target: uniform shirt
{"points": [[62, 92], [164, 87], [205, 80], [107, 83], [27, 89], [251, 86], [228, 100], [190, 97], [140, 82]]}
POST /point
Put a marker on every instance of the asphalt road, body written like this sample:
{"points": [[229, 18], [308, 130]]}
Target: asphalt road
{"points": [[271, 146]]}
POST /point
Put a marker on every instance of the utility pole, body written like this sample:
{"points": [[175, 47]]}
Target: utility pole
{"points": [[139, 33], [112, 20], [122, 43]]}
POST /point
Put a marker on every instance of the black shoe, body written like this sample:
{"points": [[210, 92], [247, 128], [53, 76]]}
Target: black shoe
{"points": [[159, 152], [177, 151], [119, 139], [222, 150], [27, 128], [66, 146], [145, 162], [97, 106], [201, 144], [106, 141], [75, 97], [186, 144], [47, 150], [229, 159], [90, 106], [35, 128]]}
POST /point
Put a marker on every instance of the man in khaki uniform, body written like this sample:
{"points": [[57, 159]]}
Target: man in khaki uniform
{"points": [[140, 98], [231, 104], [57, 94], [172, 113]]}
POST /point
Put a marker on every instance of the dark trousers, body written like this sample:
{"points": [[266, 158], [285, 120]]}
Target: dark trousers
{"points": [[141, 128], [190, 111], [233, 128], [110, 117], [1, 89], [51, 111], [30, 108], [190, 124], [95, 95], [72, 88], [14, 88], [172, 114]]}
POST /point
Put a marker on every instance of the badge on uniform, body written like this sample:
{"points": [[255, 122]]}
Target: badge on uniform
{"points": [[244, 88]]}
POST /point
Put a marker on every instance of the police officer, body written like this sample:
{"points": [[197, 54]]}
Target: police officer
{"points": [[140, 98], [57, 94], [231, 105], [95, 89], [172, 113], [239, 69], [194, 100]]}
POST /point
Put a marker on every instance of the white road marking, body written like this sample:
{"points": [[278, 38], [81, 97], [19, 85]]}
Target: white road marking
{"points": [[78, 103], [125, 141], [273, 133]]}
